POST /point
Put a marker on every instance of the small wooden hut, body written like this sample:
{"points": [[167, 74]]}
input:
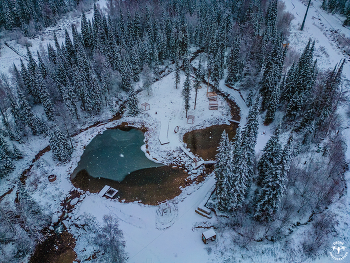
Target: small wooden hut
{"points": [[190, 119], [208, 235]]}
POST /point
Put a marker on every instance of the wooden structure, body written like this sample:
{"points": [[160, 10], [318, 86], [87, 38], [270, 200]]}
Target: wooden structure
{"points": [[146, 106], [212, 95], [285, 44], [108, 191], [208, 235], [190, 119], [203, 211], [213, 105]]}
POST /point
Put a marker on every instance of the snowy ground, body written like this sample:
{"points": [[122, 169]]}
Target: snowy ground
{"points": [[181, 242]]}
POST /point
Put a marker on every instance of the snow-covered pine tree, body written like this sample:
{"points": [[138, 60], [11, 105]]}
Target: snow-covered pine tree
{"points": [[70, 99], [6, 164], [25, 115], [198, 79], [270, 158], [305, 76], [272, 73], [234, 63], [147, 79], [44, 95], [4, 147], [330, 96], [272, 106], [133, 104], [32, 66], [61, 148], [237, 172], [347, 13], [270, 19], [177, 69], [222, 160], [271, 184], [186, 93], [288, 87], [69, 49], [286, 159], [249, 138]]}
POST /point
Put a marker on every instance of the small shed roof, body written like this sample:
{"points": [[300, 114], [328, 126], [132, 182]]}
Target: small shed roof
{"points": [[209, 233]]}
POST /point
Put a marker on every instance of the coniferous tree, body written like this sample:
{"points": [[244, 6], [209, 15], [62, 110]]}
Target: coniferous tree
{"points": [[61, 148], [234, 63], [270, 183], [305, 75], [272, 106], [177, 70], [186, 93], [249, 139], [6, 164], [133, 104], [147, 79], [237, 174], [198, 79], [286, 159], [222, 160], [270, 20], [44, 95]]}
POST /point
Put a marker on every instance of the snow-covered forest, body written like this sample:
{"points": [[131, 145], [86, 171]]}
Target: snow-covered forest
{"points": [[77, 68]]}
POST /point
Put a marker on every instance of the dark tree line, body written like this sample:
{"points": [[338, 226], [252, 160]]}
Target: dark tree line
{"points": [[33, 15], [339, 6]]}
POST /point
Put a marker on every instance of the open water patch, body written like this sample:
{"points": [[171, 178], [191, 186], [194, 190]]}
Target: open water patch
{"points": [[204, 142], [114, 154]]}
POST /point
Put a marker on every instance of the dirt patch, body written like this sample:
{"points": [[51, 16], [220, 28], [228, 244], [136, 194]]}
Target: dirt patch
{"points": [[204, 142], [57, 248], [149, 186]]}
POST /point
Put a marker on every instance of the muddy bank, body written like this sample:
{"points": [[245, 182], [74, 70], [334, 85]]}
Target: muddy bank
{"points": [[57, 248], [204, 142], [148, 186]]}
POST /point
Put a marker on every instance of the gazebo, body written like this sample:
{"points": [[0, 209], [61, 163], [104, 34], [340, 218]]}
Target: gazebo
{"points": [[190, 119], [146, 106], [208, 235]]}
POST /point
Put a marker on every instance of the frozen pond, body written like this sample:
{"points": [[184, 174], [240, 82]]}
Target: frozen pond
{"points": [[204, 142], [114, 154]]}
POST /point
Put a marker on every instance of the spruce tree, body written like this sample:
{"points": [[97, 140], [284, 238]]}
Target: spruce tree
{"points": [[6, 164], [272, 106], [133, 104], [44, 95], [237, 173], [198, 79], [286, 159], [61, 148], [234, 63], [186, 93], [271, 183], [249, 139], [177, 70], [222, 160]]}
